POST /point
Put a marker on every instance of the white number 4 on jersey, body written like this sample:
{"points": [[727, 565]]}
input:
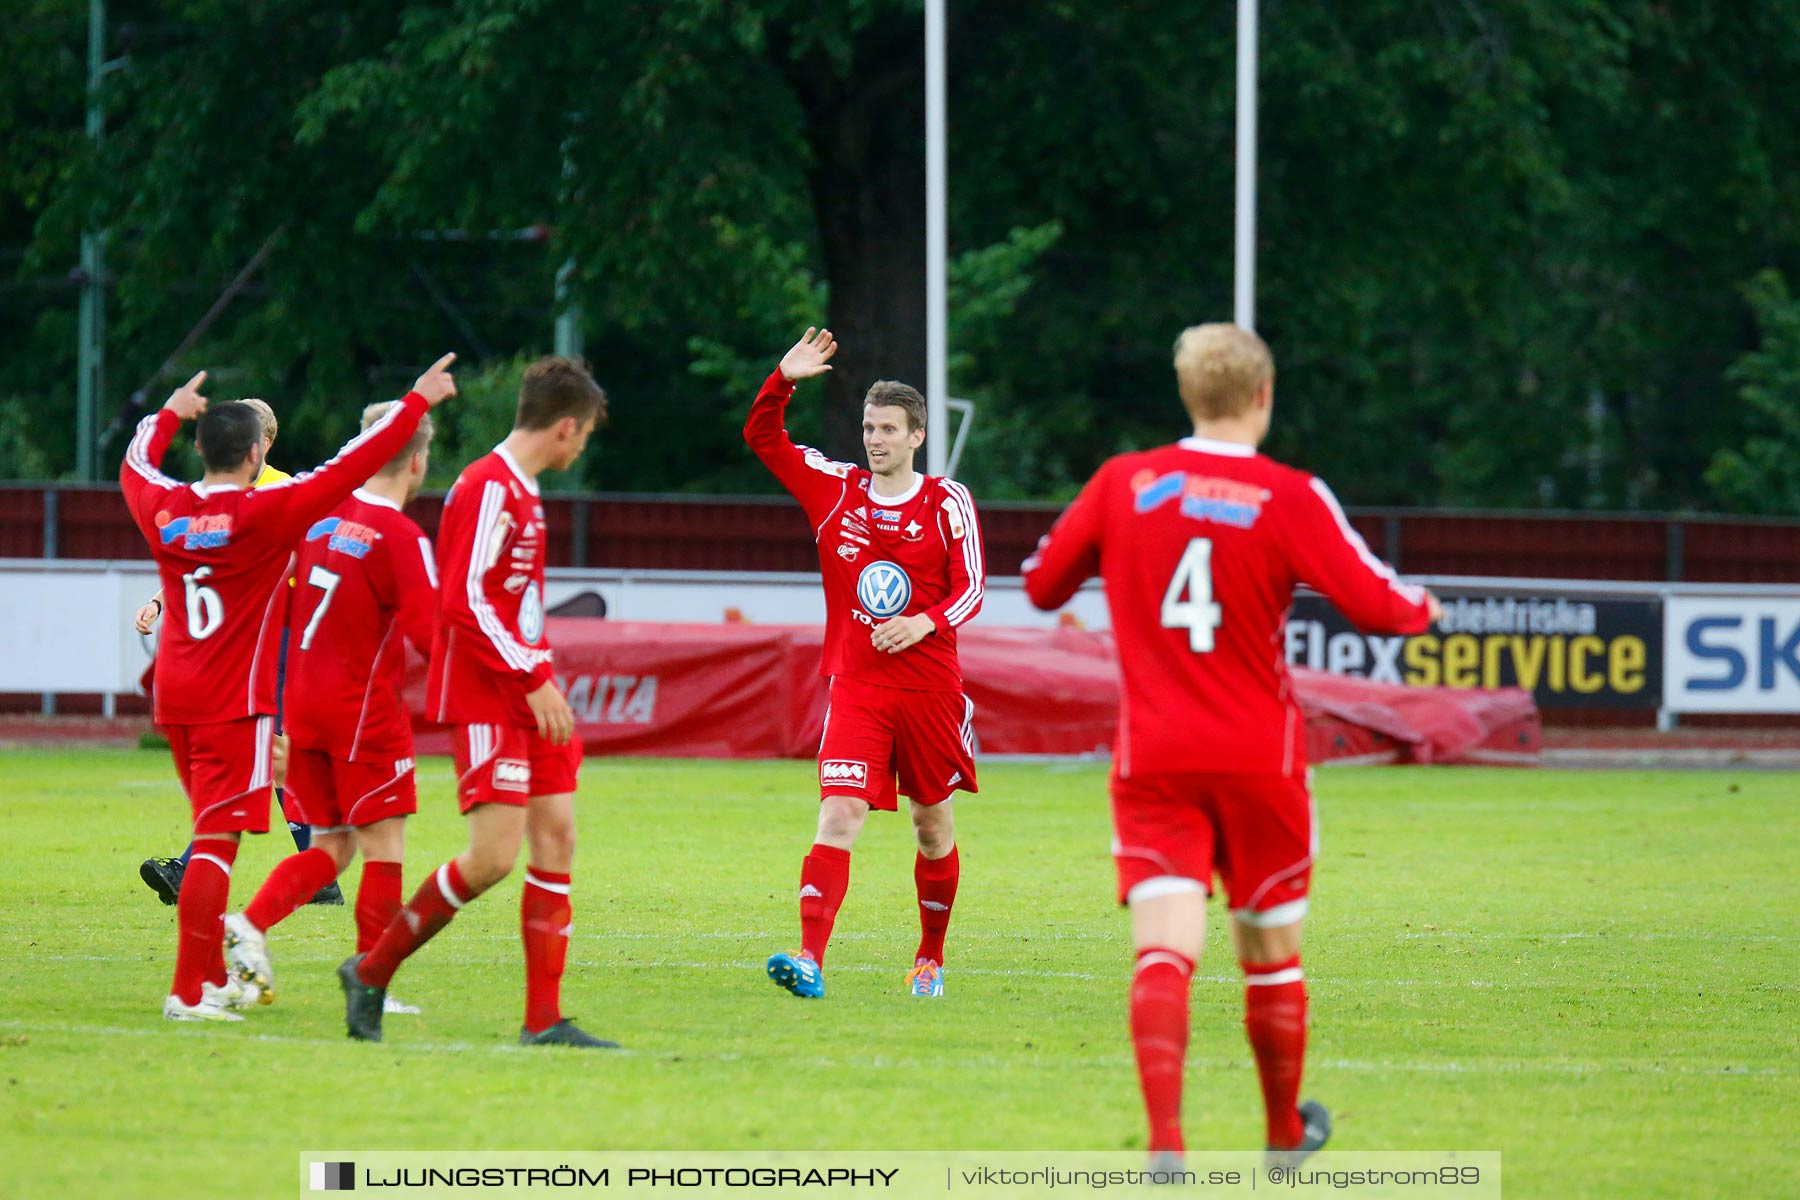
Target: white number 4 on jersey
{"points": [[1197, 614]]}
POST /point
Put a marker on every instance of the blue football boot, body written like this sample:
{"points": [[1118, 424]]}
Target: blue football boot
{"points": [[799, 974]]}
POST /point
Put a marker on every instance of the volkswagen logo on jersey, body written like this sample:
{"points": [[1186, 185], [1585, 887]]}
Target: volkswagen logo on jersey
{"points": [[883, 590], [531, 614]]}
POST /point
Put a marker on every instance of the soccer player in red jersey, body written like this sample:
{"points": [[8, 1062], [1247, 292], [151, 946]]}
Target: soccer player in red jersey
{"points": [[1201, 545], [900, 556], [366, 584], [222, 547], [512, 735]]}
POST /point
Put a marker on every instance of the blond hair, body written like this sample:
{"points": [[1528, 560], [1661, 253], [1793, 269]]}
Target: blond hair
{"points": [[265, 416], [1220, 369], [420, 439]]}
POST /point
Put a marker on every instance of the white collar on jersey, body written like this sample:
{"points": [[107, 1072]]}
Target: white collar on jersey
{"points": [[207, 489], [880, 501], [377, 501], [513, 464], [1215, 446]]}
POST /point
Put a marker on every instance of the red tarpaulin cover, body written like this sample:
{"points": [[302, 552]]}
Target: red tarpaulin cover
{"points": [[753, 691]]}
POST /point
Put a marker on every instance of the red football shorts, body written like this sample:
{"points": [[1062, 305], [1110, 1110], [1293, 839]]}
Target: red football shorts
{"points": [[875, 733], [1255, 831], [500, 764], [328, 792], [224, 769]]}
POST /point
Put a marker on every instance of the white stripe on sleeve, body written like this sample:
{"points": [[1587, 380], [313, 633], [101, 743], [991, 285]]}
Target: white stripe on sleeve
{"points": [[973, 560], [430, 561], [137, 454], [1411, 593], [387, 418], [516, 656]]}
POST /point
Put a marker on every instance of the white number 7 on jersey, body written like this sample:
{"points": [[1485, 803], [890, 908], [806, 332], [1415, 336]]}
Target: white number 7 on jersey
{"points": [[1197, 614], [327, 582]]}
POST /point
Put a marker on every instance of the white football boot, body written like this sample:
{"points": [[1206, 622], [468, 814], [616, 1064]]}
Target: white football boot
{"points": [[210, 1008], [235, 996], [247, 957]]}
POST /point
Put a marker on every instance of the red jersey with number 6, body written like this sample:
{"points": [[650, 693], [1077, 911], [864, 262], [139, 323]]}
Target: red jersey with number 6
{"points": [[365, 583], [490, 650], [222, 553], [1201, 545], [879, 556]]}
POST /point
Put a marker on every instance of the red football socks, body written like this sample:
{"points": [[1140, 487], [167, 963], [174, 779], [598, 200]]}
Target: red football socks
{"points": [[824, 878], [199, 914], [1159, 1035], [439, 897], [935, 879], [294, 881], [545, 913], [377, 902], [1275, 1019]]}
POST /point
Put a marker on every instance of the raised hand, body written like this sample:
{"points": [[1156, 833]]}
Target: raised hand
{"points": [[435, 384], [810, 356], [186, 401]]}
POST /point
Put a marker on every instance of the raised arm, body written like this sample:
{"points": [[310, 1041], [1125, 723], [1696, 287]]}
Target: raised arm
{"points": [[815, 481], [140, 473], [293, 504]]}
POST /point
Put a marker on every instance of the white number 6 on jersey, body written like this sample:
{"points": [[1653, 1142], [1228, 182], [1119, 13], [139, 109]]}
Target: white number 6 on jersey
{"points": [[1197, 614], [205, 610]]}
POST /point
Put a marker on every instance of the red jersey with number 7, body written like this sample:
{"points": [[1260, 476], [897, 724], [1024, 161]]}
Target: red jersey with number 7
{"points": [[490, 650], [222, 553], [365, 583], [1201, 545]]}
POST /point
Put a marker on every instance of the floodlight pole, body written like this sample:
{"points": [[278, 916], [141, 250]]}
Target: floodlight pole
{"points": [[568, 339], [937, 414], [1244, 274], [90, 337]]}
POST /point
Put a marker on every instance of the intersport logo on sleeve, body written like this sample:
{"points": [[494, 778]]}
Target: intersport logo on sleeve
{"points": [[838, 770]]}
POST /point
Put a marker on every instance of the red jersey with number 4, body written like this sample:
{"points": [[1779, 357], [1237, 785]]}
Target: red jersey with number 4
{"points": [[365, 584], [222, 553], [880, 556], [490, 650], [1201, 545]]}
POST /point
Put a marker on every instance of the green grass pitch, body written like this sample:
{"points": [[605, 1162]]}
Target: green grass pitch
{"points": [[1594, 973]]}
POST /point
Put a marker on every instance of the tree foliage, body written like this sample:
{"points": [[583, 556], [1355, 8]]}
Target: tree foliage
{"points": [[1503, 244], [1763, 474]]}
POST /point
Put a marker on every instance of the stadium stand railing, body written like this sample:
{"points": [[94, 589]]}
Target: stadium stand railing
{"points": [[688, 533]]}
